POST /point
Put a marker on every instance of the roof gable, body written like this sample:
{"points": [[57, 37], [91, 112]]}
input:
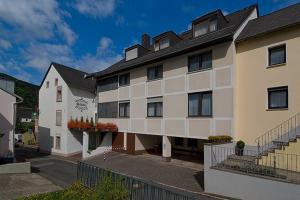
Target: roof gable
{"points": [[73, 78], [283, 18]]}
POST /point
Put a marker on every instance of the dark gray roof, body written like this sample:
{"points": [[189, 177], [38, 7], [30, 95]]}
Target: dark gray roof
{"points": [[274, 21], [74, 78], [187, 44]]}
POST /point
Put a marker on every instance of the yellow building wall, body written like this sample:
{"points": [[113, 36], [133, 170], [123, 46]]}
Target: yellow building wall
{"points": [[253, 78]]}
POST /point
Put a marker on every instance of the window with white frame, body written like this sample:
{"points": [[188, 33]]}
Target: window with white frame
{"points": [[277, 55], [155, 72], [162, 44], [278, 97], [124, 109], [57, 142], [58, 118], [200, 104], [59, 93], [124, 79], [155, 107], [204, 27], [201, 61]]}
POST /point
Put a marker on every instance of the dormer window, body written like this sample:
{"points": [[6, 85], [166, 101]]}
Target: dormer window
{"points": [[131, 54], [161, 44], [205, 27]]}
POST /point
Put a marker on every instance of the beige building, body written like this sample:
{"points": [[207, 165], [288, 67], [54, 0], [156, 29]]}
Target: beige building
{"points": [[173, 93], [267, 86]]}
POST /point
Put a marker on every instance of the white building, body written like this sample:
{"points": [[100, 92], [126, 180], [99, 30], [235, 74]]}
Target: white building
{"points": [[64, 94], [7, 118]]}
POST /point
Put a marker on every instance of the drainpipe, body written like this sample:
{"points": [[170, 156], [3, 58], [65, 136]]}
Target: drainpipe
{"points": [[14, 123]]}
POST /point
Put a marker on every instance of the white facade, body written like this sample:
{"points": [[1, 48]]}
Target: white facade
{"points": [[6, 123], [75, 103]]}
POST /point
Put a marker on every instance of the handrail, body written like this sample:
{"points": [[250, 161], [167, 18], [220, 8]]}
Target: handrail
{"points": [[281, 134]]}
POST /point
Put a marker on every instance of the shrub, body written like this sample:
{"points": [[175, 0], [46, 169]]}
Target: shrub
{"points": [[240, 144], [220, 139], [110, 189]]}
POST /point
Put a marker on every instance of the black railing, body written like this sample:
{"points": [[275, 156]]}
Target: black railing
{"points": [[137, 189]]}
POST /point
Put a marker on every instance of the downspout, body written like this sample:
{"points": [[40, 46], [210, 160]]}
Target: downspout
{"points": [[14, 123]]}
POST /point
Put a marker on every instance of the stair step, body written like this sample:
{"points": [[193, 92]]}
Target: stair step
{"points": [[244, 158]]}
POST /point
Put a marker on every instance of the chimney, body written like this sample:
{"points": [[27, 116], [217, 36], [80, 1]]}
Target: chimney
{"points": [[146, 41]]}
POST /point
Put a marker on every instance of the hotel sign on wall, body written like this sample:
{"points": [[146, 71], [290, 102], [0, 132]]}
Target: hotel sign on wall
{"points": [[81, 104]]}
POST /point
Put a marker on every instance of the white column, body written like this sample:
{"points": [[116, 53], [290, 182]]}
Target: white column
{"points": [[85, 144], [125, 141], [166, 148]]}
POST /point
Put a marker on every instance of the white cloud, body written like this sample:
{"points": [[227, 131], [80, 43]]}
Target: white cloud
{"points": [[40, 55], [104, 44], [35, 20], [96, 8], [5, 44]]}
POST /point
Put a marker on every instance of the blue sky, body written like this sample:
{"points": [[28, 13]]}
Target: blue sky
{"points": [[92, 34]]}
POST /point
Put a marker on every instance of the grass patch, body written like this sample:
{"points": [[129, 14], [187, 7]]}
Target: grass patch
{"points": [[108, 189]]}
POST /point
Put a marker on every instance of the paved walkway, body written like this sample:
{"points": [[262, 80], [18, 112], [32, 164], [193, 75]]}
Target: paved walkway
{"points": [[189, 178], [13, 186]]}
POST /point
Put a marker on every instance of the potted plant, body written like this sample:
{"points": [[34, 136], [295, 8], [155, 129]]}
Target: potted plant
{"points": [[239, 148]]}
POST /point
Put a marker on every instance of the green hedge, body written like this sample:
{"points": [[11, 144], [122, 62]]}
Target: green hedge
{"points": [[107, 190], [220, 139]]}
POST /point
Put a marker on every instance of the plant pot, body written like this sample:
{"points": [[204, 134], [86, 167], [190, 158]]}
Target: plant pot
{"points": [[239, 152]]}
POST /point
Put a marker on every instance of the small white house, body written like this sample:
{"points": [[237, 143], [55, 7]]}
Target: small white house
{"points": [[8, 101], [64, 94]]}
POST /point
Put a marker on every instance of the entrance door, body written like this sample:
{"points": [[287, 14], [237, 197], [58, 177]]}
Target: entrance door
{"points": [[118, 142]]}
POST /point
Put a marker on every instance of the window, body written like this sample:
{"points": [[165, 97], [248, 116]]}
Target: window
{"points": [[57, 142], [59, 94], [58, 117], [162, 44], [278, 97], [200, 104], [124, 109], [56, 81], [47, 84], [178, 141], [108, 110], [200, 62], [277, 55], [205, 27], [124, 79], [155, 72], [155, 107]]}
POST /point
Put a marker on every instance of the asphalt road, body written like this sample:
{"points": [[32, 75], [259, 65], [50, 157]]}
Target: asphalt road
{"points": [[60, 172]]}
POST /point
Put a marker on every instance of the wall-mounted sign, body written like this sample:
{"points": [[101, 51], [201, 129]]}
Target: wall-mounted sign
{"points": [[81, 104]]}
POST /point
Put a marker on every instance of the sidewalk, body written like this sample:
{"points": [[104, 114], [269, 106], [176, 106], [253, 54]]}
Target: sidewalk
{"points": [[14, 186]]}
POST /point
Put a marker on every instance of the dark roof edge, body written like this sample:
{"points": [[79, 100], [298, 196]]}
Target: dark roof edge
{"points": [[55, 63], [225, 38], [267, 32]]}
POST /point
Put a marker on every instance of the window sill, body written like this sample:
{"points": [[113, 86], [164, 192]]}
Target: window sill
{"points": [[276, 109], [124, 117], [157, 79], [120, 86], [193, 117], [149, 117], [276, 65], [58, 101], [201, 70]]}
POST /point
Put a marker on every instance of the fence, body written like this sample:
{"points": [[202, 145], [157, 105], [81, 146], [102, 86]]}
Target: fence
{"points": [[277, 165], [280, 135], [91, 176]]}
